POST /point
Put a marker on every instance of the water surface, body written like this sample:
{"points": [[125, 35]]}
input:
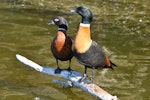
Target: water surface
{"points": [[122, 28]]}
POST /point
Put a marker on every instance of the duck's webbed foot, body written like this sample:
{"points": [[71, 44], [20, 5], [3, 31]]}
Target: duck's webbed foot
{"points": [[58, 70], [85, 80]]}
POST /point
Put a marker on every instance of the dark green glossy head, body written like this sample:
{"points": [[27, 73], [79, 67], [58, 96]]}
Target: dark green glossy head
{"points": [[85, 13]]}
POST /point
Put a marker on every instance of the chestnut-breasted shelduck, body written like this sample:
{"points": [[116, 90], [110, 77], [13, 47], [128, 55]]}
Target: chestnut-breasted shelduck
{"points": [[61, 45], [87, 51]]}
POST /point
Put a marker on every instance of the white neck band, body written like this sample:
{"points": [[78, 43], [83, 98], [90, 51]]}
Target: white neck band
{"points": [[85, 25]]}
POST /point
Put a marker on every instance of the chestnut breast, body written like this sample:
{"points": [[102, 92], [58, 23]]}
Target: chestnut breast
{"points": [[62, 47], [83, 39]]}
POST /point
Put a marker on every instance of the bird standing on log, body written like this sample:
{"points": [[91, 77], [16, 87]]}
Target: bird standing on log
{"points": [[61, 45], [87, 51]]}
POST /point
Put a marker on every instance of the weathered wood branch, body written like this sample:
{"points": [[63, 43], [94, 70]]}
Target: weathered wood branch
{"points": [[72, 78]]}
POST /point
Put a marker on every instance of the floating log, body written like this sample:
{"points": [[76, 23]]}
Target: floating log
{"points": [[71, 79]]}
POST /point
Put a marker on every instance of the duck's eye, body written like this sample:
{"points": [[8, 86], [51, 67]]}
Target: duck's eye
{"points": [[56, 19]]}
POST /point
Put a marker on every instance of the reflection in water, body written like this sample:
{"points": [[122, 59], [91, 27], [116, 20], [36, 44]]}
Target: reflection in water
{"points": [[121, 28]]}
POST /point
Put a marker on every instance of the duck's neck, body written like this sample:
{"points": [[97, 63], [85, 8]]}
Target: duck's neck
{"points": [[83, 38], [84, 32], [86, 20], [62, 28], [62, 31]]}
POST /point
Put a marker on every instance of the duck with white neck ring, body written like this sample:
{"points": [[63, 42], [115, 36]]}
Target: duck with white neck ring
{"points": [[87, 51]]}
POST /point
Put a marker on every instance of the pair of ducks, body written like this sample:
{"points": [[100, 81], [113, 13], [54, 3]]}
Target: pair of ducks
{"points": [[86, 51]]}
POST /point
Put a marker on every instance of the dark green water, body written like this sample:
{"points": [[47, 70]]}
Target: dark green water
{"points": [[121, 27]]}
